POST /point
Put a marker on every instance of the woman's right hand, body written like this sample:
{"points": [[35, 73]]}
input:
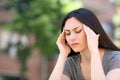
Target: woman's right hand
{"points": [[63, 47]]}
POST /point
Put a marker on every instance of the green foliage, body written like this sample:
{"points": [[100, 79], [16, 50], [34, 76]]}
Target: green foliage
{"points": [[39, 17], [117, 17], [117, 1], [70, 5]]}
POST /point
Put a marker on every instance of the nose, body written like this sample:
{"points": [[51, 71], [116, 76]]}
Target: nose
{"points": [[72, 36]]}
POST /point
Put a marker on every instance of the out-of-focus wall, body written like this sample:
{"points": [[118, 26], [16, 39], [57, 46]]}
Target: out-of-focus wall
{"points": [[105, 11]]}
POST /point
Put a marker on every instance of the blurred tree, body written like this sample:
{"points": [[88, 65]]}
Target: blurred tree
{"points": [[38, 17]]}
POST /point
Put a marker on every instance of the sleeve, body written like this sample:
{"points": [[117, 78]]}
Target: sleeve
{"points": [[114, 62], [67, 69]]}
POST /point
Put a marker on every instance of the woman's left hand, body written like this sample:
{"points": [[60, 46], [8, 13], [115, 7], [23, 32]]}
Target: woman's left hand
{"points": [[92, 38]]}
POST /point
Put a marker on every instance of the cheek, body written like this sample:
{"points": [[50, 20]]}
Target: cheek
{"points": [[82, 38], [67, 40], [85, 40]]}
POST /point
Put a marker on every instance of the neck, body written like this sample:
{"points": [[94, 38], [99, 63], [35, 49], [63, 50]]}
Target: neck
{"points": [[86, 55]]}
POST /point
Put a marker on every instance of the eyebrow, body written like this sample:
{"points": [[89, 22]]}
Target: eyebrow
{"points": [[72, 29]]}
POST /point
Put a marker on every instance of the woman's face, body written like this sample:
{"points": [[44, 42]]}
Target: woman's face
{"points": [[75, 35]]}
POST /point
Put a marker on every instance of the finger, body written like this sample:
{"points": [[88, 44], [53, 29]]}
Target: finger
{"points": [[85, 29], [61, 38], [98, 35], [62, 35], [89, 31]]}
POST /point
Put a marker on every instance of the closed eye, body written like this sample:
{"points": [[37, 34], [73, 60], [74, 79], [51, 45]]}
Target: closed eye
{"points": [[78, 31]]}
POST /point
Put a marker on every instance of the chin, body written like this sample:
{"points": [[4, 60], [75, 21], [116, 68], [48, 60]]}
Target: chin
{"points": [[77, 49]]}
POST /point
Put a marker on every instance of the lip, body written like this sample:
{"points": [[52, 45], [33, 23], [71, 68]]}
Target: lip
{"points": [[74, 44]]}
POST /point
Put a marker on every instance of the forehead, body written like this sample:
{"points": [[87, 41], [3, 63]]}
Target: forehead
{"points": [[72, 23]]}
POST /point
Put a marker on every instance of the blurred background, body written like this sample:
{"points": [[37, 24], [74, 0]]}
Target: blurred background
{"points": [[29, 30]]}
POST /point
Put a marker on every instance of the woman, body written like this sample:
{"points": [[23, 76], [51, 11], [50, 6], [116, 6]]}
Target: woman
{"points": [[86, 52]]}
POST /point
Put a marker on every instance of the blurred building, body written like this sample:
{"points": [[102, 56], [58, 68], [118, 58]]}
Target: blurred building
{"points": [[9, 67], [104, 10], [34, 66], [5, 15]]}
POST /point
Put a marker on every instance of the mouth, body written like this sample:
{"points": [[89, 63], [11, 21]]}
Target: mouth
{"points": [[74, 44]]}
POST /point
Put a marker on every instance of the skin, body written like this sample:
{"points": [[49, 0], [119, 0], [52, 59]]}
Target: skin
{"points": [[81, 39]]}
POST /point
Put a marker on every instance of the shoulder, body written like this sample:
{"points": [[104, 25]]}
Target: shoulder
{"points": [[115, 52], [111, 54], [73, 59], [112, 59], [71, 65], [114, 66], [115, 57]]}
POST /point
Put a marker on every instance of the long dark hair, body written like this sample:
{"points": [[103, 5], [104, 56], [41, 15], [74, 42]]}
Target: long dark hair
{"points": [[88, 18]]}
